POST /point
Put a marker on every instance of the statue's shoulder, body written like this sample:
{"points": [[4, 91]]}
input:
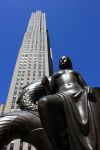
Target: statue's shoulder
{"points": [[58, 74], [71, 71]]}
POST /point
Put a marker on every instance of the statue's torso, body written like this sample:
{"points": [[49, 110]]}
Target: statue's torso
{"points": [[66, 80]]}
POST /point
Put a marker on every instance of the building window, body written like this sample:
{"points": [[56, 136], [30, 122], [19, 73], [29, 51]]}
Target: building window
{"points": [[21, 146], [20, 89], [18, 79], [11, 146], [28, 74], [13, 104], [21, 83], [18, 75], [17, 107], [23, 75], [23, 71], [29, 147], [15, 92], [33, 74], [43, 67], [14, 99], [20, 67], [22, 79], [16, 87], [26, 55]]}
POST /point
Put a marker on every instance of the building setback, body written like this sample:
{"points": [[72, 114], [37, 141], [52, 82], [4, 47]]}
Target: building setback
{"points": [[33, 62]]}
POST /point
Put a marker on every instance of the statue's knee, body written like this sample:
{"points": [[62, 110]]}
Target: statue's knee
{"points": [[50, 102], [42, 103], [45, 103]]}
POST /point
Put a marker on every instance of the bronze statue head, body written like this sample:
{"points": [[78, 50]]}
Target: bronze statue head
{"points": [[65, 63]]}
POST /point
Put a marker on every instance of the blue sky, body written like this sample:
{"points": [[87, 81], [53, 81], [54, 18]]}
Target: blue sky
{"points": [[74, 30]]}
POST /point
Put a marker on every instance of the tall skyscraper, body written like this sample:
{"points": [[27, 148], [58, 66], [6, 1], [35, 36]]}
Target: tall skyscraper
{"points": [[33, 62]]}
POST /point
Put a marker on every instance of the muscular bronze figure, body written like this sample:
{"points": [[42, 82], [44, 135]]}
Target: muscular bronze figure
{"points": [[59, 113], [71, 116]]}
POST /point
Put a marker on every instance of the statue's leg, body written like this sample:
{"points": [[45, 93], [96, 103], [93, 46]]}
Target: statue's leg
{"points": [[51, 110]]}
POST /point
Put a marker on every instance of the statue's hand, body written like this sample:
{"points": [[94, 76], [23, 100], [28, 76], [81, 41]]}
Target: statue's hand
{"points": [[89, 90], [45, 81], [37, 93]]}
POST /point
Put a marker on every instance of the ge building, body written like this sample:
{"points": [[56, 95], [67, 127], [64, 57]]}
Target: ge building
{"points": [[33, 62]]}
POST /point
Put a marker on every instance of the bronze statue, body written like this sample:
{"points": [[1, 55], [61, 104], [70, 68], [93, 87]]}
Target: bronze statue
{"points": [[68, 117], [71, 116]]}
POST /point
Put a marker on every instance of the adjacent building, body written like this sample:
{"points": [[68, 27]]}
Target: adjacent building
{"points": [[2, 107], [33, 62]]}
